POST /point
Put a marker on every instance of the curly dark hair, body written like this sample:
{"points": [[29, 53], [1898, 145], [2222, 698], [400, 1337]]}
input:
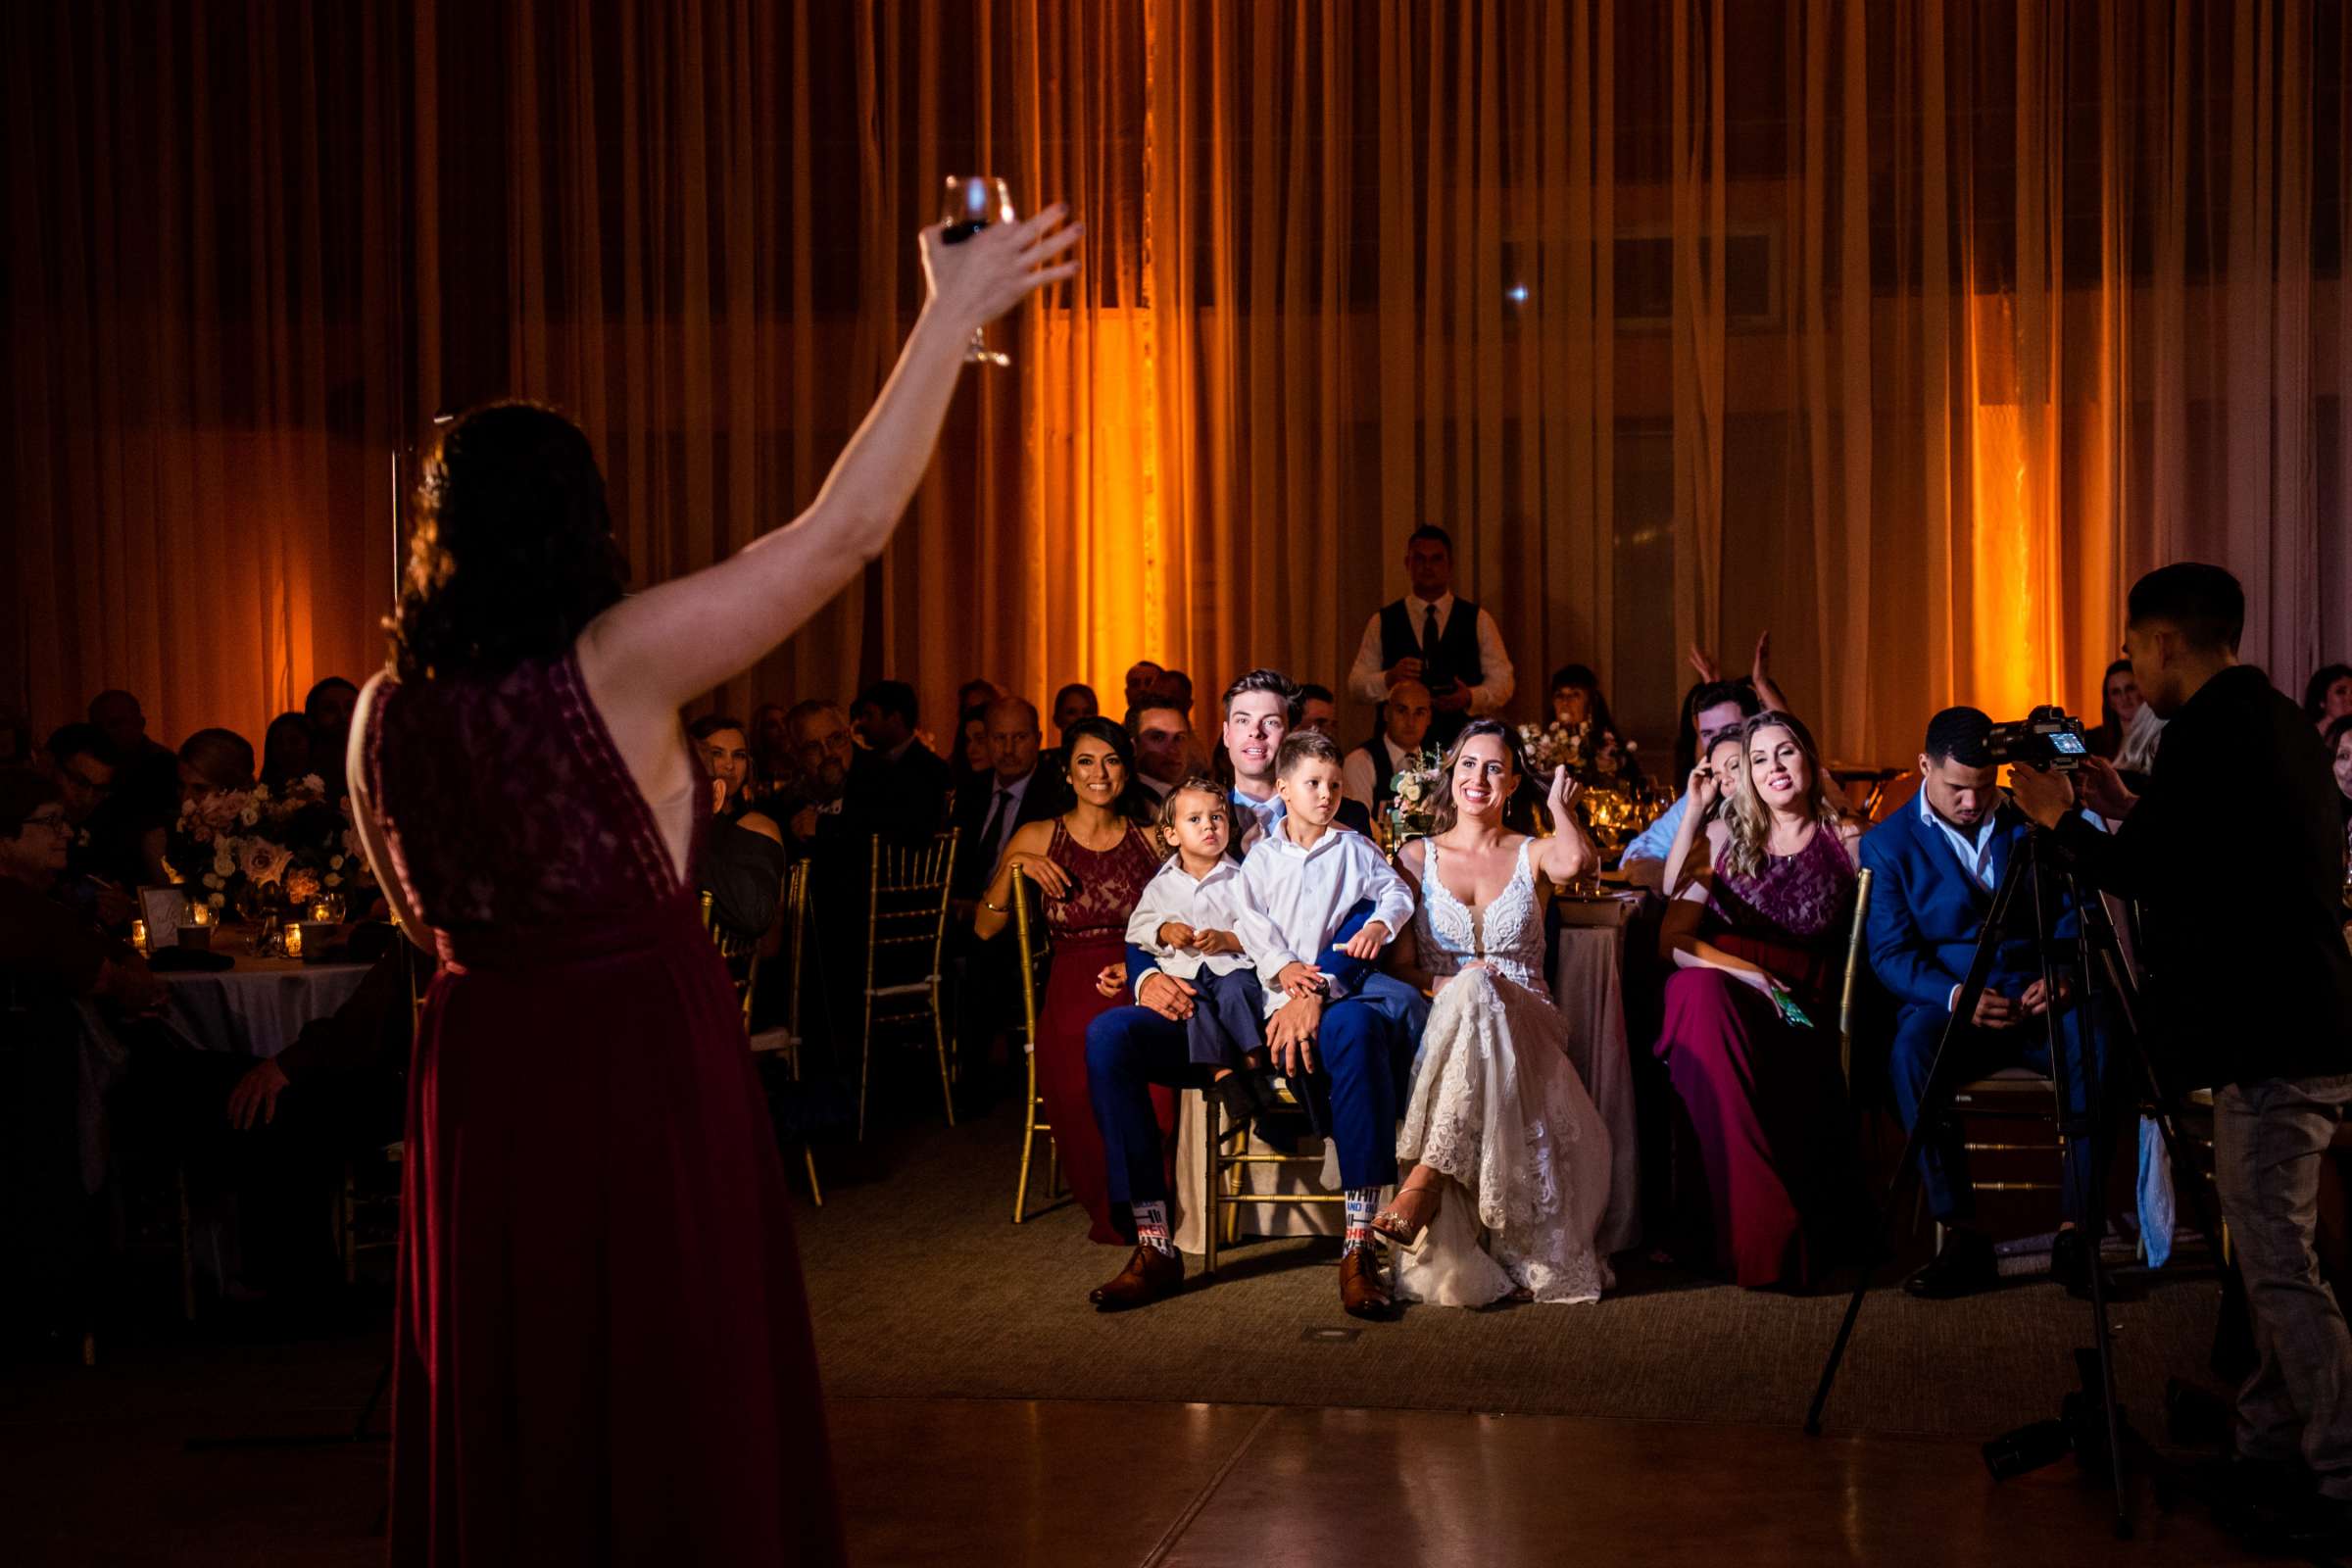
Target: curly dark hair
{"points": [[514, 553]]}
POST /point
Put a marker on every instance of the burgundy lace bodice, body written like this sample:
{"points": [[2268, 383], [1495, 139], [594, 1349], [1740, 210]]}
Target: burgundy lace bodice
{"points": [[504, 805], [1790, 915], [1109, 884]]}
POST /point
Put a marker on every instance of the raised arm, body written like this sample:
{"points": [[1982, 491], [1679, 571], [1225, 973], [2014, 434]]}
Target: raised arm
{"points": [[655, 650], [1568, 853]]}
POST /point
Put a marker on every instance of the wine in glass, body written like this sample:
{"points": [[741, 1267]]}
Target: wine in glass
{"points": [[973, 202]]}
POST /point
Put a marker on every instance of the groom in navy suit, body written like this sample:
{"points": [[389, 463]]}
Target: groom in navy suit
{"points": [[1937, 863]]}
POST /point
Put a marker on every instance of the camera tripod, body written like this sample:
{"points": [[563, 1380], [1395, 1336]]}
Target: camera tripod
{"points": [[2038, 870]]}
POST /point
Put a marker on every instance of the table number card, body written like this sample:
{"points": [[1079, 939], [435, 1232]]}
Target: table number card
{"points": [[162, 908]]}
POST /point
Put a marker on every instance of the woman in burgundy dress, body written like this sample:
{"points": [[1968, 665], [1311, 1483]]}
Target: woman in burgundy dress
{"points": [[1091, 865], [1750, 1040], [602, 1343]]}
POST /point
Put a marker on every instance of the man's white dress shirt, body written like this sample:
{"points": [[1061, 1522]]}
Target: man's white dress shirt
{"points": [[1368, 679]]}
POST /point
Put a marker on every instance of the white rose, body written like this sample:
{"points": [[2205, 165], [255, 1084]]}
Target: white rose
{"points": [[333, 881], [218, 899]]}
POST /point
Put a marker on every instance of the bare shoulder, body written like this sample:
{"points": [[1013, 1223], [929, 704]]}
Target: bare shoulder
{"points": [[761, 823], [1035, 837]]}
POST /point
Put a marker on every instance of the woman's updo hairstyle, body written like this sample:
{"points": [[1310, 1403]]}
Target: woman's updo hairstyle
{"points": [[513, 551]]}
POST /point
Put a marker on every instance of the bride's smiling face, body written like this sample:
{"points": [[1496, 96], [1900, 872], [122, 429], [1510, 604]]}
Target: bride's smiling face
{"points": [[1482, 778]]}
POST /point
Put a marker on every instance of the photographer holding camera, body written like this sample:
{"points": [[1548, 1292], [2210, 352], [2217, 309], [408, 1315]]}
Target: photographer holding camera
{"points": [[2249, 990]]}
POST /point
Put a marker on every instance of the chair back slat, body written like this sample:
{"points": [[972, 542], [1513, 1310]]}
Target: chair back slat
{"points": [[1856, 952], [1037, 949], [906, 905]]}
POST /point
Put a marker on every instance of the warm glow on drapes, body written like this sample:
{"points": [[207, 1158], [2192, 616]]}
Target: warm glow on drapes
{"points": [[1910, 330]]}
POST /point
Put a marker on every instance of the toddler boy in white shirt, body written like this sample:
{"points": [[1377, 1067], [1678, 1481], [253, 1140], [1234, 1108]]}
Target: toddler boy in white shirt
{"points": [[1188, 920]]}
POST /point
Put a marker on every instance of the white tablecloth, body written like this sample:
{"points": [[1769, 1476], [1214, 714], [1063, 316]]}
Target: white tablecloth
{"points": [[1588, 971], [258, 1008]]}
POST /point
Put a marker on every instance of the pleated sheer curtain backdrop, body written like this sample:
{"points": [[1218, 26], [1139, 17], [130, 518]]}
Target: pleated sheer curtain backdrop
{"points": [[1911, 331]]}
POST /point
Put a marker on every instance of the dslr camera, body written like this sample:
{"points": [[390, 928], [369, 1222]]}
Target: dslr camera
{"points": [[2045, 738]]}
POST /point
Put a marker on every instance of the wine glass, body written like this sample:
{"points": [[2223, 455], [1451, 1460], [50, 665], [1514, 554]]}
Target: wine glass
{"points": [[971, 203]]}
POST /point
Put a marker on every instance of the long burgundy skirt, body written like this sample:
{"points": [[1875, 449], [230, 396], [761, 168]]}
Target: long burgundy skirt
{"points": [[602, 1344]]}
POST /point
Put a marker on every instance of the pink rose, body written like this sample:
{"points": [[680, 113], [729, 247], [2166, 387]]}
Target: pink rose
{"points": [[263, 862]]}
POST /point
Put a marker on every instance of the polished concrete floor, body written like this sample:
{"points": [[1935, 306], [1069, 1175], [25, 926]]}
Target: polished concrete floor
{"points": [[95, 1468]]}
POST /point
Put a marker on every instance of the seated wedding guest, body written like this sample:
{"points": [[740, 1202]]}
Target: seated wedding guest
{"points": [[1499, 1131], [100, 870], [2119, 705], [51, 961], [1758, 681], [145, 799], [1163, 745], [978, 692], [1371, 769], [1318, 711], [344, 1071], [285, 750], [772, 750], [744, 861], [1936, 868], [215, 759], [1459, 657], [973, 761], [1577, 702], [1016, 794], [2328, 695], [1091, 866], [1175, 688], [1071, 703], [811, 800], [329, 708], [902, 781], [1142, 677], [2338, 741], [1709, 790], [1751, 1035], [1188, 920], [1261, 707], [1712, 709], [1335, 1029]]}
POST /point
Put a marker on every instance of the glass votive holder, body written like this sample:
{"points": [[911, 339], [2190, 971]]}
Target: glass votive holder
{"points": [[293, 940], [138, 937]]}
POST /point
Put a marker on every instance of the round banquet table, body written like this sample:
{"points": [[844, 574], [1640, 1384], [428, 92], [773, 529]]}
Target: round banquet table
{"points": [[258, 1008]]}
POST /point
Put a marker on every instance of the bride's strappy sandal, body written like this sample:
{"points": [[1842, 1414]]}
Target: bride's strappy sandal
{"points": [[1400, 1233]]}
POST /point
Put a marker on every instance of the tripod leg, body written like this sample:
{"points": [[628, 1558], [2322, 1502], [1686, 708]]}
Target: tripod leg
{"points": [[1934, 1100]]}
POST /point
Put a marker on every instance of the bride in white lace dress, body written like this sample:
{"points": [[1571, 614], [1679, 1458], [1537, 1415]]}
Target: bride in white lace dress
{"points": [[1508, 1141]]}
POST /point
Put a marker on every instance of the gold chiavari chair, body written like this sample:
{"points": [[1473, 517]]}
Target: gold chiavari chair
{"points": [[1037, 957], [907, 928], [786, 1042], [1227, 1157], [1857, 948]]}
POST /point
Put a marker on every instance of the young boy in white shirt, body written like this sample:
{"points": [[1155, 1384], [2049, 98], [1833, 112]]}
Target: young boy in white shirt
{"points": [[1188, 920]]}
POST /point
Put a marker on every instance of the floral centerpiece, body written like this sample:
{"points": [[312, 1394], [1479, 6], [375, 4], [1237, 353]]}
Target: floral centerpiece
{"points": [[257, 850], [1613, 806], [1415, 796]]}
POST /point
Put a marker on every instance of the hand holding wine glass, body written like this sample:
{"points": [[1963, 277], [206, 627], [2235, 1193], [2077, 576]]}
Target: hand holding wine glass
{"points": [[981, 261]]}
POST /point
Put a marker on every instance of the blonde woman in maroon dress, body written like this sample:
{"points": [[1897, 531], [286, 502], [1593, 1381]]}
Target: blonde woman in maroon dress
{"points": [[602, 1343]]}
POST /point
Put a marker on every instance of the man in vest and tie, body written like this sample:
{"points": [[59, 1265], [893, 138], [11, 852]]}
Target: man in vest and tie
{"points": [[1448, 645]]}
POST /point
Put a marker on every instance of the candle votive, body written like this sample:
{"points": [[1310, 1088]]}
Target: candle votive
{"points": [[138, 937], [293, 940]]}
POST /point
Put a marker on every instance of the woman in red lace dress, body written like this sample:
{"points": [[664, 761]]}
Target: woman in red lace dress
{"points": [[601, 1343], [1091, 863]]}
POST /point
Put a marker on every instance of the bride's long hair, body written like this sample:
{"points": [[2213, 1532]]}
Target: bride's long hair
{"points": [[1750, 819], [1516, 812]]}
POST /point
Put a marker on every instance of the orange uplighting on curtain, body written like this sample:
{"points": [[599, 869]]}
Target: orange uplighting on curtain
{"points": [[2013, 658], [1097, 508]]}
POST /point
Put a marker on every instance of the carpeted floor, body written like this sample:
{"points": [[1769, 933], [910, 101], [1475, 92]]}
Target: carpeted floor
{"points": [[922, 1287]]}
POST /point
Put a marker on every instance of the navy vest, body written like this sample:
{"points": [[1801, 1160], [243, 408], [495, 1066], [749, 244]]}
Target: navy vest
{"points": [[1455, 662]]}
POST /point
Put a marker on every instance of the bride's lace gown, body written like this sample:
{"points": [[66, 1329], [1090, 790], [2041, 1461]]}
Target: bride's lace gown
{"points": [[1498, 1107]]}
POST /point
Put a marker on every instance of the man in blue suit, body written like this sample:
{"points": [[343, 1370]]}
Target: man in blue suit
{"points": [[1366, 1037], [1938, 865]]}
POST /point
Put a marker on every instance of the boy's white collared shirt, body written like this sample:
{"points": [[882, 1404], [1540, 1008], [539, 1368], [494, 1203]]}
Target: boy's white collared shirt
{"points": [[1211, 902], [1296, 898]]}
